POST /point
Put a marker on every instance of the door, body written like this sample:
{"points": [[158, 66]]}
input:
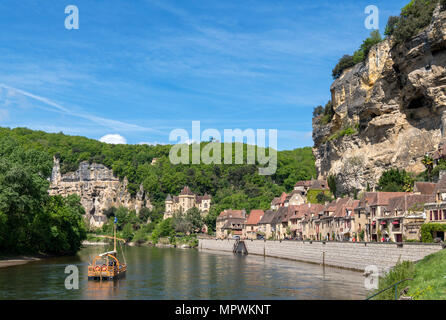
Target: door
{"points": [[399, 238]]}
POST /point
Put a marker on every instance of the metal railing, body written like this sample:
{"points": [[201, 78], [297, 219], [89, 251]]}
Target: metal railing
{"points": [[390, 287]]}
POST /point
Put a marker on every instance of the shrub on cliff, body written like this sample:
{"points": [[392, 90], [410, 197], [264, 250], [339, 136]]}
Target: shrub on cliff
{"points": [[360, 55], [414, 17], [344, 63]]}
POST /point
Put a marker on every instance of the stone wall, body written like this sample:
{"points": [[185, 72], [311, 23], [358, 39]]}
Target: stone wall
{"points": [[349, 255]]}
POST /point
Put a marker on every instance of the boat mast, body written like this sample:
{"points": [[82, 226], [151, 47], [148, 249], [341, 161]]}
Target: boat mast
{"points": [[114, 238]]}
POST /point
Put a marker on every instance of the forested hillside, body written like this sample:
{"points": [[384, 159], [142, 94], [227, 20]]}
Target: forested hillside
{"points": [[232, 186]]}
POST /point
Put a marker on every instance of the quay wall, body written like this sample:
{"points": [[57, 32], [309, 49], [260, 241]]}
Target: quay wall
{"points": [[349, 255]]}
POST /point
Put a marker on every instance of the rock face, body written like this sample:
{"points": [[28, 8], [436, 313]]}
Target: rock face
{"points": [[393, 106], [98, 189]]}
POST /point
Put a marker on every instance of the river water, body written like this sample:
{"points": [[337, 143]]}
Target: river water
{"points": [[168, 273]]}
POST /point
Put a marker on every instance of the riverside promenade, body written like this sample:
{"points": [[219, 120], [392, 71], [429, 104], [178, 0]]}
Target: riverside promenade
{"points": [[347, 255]]}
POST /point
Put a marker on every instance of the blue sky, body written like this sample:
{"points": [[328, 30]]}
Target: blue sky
{"points": [[142, 68]]}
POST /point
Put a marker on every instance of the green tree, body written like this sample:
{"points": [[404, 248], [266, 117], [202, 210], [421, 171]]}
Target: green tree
{"points": [[395, 180], [331, 180]]}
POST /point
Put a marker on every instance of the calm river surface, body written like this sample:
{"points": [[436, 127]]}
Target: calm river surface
{"points": [[157, 273]]}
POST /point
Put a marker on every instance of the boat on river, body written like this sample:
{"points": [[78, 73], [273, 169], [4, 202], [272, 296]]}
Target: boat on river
{"points": [[106, 266]]}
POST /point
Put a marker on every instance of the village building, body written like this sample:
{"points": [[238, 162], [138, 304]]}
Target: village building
{"points": [[298, 221], [251, 227], [266, 227], [304, 186], [435, 208], [185, 201], [404, 217], [278, 202], [230, 223]]}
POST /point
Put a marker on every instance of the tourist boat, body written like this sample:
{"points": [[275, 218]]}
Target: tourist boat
{"points": [[107, 266]]}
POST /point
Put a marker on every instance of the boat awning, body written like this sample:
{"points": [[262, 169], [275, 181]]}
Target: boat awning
{"points": [[105, 253]]}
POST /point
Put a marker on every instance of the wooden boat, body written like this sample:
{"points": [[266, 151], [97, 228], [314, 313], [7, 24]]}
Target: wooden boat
{"points": [[107, 266]]}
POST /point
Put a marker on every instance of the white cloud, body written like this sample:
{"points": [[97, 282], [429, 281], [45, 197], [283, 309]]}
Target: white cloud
{"points": [[113, 139]]}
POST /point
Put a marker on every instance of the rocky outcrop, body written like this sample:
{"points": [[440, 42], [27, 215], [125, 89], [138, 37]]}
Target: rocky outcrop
{"points": [[389, 111], [98, 189]]}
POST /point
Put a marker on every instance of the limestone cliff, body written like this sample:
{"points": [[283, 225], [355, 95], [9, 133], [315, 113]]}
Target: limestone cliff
{"points": [[98, 189], [389, 111]]}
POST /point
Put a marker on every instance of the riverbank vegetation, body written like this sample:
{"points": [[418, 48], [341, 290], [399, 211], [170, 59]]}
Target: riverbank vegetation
{"points": [[429, 282], [148, 227], [31, 221]]}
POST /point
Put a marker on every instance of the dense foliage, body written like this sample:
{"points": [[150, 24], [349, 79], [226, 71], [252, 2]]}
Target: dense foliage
{"points": [[395, 180], [231, 186], [414, 18], [30, 220], [428, 229]]}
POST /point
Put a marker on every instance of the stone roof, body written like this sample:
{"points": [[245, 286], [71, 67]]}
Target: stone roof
{"points": [[267, 217], [254, 217], [403, 203], [169, 197], [424, 187], [229, 213]]}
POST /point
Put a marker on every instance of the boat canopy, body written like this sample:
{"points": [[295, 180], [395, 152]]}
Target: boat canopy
{"points": [[106, 253]]}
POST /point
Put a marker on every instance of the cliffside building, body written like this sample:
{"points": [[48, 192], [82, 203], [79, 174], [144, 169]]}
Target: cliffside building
{"points": [[98, 189]]}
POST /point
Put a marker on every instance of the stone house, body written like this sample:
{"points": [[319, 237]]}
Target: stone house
{"points": [[251, 226], [266, 227], [299, 219], [343, 227], [404, 217], [230, 221], [435, 208], [185, 201], [278, 202]]}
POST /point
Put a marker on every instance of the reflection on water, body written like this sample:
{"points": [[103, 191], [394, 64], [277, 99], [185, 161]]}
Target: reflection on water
{"points": [[155, 273]]}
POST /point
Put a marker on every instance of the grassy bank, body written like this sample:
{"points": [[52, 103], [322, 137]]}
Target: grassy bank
{"points": [[429, 278]]}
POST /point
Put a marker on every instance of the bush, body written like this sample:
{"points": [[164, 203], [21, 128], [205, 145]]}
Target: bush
{"points": [[395, 180], [360, 55], [344, 63], [414, 18], [428, 229], [318, 111], [391, 25]]}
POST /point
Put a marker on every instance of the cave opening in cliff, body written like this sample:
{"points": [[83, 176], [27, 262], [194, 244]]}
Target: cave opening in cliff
{"points": [[418, 102]]}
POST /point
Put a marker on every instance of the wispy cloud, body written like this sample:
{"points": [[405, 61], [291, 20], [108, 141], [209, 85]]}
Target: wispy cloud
{"points": [[56, 107]]}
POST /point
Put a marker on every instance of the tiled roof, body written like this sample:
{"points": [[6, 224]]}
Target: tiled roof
{"points": [[254, 217], [226, 214], [424, 187], [403, 203], [268, 217]]}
